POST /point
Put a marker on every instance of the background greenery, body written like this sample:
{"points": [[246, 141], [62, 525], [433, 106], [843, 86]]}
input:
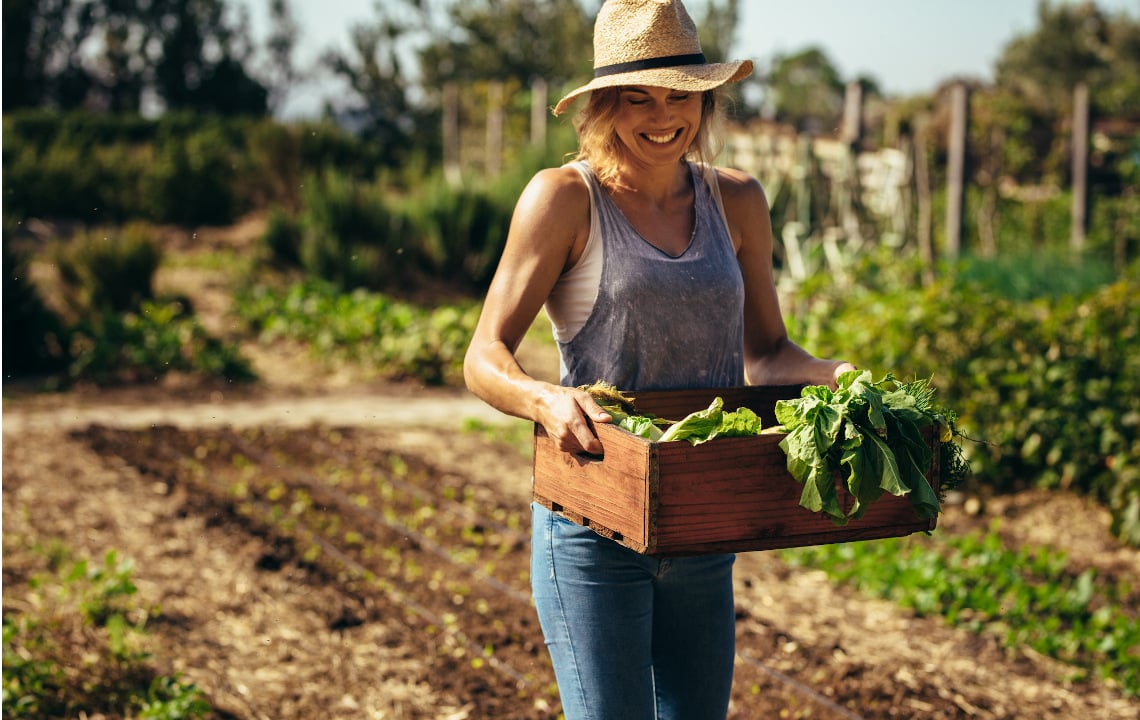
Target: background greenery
{"points": [[374, 253]]}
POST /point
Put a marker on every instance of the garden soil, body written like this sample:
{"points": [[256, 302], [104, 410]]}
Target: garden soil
{"points": [[407, 597]]}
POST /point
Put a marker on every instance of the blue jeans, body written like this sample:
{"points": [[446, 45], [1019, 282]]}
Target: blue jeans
{"points": [[632, 637]]}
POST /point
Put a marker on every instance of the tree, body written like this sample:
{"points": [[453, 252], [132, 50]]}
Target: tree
{"points": [[280, 75], [379, 108], [509, 39], [203, 57], [1075, 43], [43, 65], [113, 54], [806, 90]]}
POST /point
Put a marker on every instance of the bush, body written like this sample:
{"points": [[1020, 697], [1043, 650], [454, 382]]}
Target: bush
{"points": [[282, 238], [399, 340], [1050, 386], [145, 345], [182, 168], [116, 330], [34, 336], [108, 269], [371, 235]]}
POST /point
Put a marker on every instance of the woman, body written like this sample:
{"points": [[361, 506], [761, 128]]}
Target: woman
{"points": [[656, 272]]}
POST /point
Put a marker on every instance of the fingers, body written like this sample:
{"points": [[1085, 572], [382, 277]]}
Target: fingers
{"points": [[569, 420], [584, 433]]}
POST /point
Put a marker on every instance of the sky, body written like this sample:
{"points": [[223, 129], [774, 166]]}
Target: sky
{"points": [[907, 46]]}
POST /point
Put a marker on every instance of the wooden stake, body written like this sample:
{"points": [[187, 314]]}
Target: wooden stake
{"points": [[956, 172], [451, 169], [538, 110], [1080, 165], [494, 157]]}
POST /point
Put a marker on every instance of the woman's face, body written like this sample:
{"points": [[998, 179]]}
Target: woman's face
{"points": [[657, 125]]}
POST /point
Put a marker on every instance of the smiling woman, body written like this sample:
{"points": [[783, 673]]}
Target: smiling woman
{"points": [[655, 269]]}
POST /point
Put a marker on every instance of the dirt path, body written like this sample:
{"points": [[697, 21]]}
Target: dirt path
{"points": [[268, 636], [365, 407]]}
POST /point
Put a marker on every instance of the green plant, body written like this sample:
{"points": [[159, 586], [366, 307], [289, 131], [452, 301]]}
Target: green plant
{"points": [[1028, 596], [282, 238], [168, 698], [34, 337], [144, 345], [397, 339], [1049, 387], [108, 269], [870, 433], [74, 647]]}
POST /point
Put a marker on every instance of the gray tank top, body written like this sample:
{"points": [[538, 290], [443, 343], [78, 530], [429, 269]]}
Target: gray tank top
{"points": [[661, 322]]}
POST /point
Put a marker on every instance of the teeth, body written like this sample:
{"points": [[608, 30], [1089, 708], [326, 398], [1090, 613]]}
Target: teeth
{"points": [[661, 139]]}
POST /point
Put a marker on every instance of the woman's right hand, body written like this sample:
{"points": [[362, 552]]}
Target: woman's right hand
{"points": [[568, 415]]}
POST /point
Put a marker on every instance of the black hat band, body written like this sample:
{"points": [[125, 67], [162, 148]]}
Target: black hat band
{"points": [[650, 64]]}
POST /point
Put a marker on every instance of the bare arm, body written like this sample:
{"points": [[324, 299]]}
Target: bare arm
{"points": [[770, 356], [548, 231]]}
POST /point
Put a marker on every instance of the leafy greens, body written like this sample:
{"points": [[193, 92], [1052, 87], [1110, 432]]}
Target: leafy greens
{"points": [[868, 432]]}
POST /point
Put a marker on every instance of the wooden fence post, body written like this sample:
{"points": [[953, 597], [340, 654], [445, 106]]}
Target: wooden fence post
{"points": [[924, 223], [1080, 165], [956, 170], [853, 114], [538, 110], [451, 168], [494, 152]]}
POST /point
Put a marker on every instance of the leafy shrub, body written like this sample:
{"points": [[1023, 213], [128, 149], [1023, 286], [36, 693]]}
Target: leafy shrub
{"points": [[282, 238], [371, 235], [349, 234], [118, 332], [181, 168], [102, 271], [1032, 275], [34, 337], [192, 179], [1051, 386], [145, 345], [398, 339]]}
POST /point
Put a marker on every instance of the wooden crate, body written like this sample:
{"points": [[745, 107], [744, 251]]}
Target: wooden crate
{"points": [[725, 495]]}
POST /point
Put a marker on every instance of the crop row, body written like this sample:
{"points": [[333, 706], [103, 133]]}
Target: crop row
{"points": [[441, 551]]}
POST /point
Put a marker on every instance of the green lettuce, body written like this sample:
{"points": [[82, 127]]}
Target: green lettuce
{"points": [[868, 432]]}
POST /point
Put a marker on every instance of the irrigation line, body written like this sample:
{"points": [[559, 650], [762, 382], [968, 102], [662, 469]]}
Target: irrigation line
{"points": [[398, 596], [345, 503], [798, 687], [446, 505]]}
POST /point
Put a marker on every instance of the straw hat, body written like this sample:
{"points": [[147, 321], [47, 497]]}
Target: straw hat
{"points": [[654, 43]]}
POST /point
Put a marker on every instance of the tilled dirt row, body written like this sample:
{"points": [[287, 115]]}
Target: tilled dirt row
{"points": [[352, 572]]}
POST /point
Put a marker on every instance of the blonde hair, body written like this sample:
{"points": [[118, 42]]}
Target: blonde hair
{"points": [[599, 146]]}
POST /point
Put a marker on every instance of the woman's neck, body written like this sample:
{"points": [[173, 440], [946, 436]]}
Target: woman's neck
{"points": [[657, 185]]}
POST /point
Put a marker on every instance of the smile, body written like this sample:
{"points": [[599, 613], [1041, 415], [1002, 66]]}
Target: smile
{"points": [[662, 139]]}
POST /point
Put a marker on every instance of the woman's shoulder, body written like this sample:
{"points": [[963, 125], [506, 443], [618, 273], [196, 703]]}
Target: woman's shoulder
{"points": [[562, 186], [736, 184]]}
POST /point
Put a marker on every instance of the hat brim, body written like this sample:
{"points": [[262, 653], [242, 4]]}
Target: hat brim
{"points": [[694, 78]]}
